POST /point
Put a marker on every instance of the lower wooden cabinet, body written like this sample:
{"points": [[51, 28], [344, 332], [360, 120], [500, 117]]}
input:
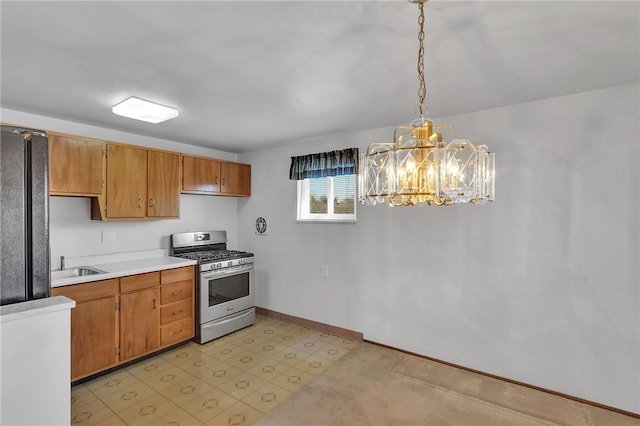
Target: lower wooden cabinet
{"points": [[121, 319], [94, 332], [139, 315]]}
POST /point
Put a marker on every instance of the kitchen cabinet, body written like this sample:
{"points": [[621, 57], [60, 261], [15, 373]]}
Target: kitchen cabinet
{"points": [[141, 184], [209, 176], [126, 181], [139, 315], [236, 178], [94, 326], [76, 165], [177, 305], [121, 319], [163, 184]]}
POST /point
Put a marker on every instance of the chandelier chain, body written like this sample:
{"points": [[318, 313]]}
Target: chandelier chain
{"points": [[422, 88]]}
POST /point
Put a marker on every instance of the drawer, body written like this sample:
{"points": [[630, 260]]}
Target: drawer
{"points": [[139, 282], [88, 291], [174, 292], [176, 311], [177, 274], [176, 332]]}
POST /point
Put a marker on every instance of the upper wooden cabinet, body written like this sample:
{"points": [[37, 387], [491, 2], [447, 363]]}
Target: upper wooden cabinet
{"points": [[209, 176], [76, 165], [141, 184], [163, 184], [200, 175], [126, 182], [236, 178]]}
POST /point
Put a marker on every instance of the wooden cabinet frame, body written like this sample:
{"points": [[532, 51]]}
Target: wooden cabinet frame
{"points": [[210, 176]]}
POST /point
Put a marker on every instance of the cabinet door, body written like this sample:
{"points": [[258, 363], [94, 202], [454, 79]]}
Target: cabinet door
{"points": [[93, 326], [126, 181], [164, 184], [200, 175], [139, 323], [76, 166], [236, 178]]}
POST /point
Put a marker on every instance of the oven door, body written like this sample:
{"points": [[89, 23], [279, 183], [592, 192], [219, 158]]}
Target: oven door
{"points": [[226, 291]]}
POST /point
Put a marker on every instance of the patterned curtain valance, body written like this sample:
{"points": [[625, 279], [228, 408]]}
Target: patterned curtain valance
{"points": [[322, 164]]}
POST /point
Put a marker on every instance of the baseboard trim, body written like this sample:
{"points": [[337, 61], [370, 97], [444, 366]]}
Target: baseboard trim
{"points": [[331, 329], [515, 382]]}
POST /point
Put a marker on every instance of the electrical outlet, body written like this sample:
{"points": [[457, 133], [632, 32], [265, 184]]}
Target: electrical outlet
{"points": [[324, 270]]}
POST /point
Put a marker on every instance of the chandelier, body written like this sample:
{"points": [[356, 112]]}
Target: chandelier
{"points": [[420, 167]]}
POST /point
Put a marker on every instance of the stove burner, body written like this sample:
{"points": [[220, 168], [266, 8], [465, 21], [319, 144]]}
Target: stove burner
{"points": [[213, 255]]}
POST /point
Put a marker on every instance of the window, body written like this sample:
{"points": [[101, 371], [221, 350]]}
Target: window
{"points": [[327, 199], [326, 185]]}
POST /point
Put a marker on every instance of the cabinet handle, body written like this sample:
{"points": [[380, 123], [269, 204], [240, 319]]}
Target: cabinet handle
{"points": [[176, 312], [154, 304], [140, 202], [223, 181], [216, 180], [177, 332], [152, 202], [175, 293]]}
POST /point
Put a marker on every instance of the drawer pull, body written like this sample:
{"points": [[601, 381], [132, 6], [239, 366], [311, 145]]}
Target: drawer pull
{"points": [[177, 332], [176, 312], [175, 293]]}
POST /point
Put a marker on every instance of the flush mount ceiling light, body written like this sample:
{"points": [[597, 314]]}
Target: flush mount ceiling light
{"points": [[420, 167], [142, 110]]}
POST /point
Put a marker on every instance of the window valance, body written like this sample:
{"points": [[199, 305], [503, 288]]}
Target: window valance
{"points": [[323, 164]]}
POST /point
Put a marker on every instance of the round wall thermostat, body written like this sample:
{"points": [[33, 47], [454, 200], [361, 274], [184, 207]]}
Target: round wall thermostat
{"points": [[261, 226]]}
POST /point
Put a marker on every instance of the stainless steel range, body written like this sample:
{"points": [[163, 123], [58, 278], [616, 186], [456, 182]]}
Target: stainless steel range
{"points": [[225, 288]]}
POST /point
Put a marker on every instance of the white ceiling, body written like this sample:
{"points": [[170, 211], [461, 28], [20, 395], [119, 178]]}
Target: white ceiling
{"points": [[246, 75]]}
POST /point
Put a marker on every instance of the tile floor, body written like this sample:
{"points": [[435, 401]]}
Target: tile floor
{"points": [[233, 380]]}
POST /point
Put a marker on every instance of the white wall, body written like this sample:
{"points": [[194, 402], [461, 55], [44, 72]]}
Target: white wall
{"points": [[74, 234], [540, 286]]}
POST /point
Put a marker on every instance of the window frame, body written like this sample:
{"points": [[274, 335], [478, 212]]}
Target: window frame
{"points": [[303, 201]]}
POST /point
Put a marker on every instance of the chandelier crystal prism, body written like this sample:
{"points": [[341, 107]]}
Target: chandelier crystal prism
{"points": [[420, 167]]}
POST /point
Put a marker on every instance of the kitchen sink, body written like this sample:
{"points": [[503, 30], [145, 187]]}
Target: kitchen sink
{"points": [[80, 271]]}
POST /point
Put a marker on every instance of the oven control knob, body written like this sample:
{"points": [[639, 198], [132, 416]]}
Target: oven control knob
{"points": [[230, 263]]}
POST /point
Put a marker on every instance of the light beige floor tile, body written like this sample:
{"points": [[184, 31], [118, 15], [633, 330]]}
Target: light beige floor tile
{"points": [[178, 417], [180, 355], [198, 362], [226, 351], [81, 395], [91, 413], [291, 356], [209, 405], [308, 345], [219, 374], [246, 360], [146, 411], [112, 421], [269, 347], [148, 367], [267, 397], [322, 337], [112, 382], [313, 364], [186, 391], [346, 343], [248, 341], [293, 379], [125, 398], [242, 385], [268, 370], [331, 352], [167, 378], [267, 332], [240, 414]]}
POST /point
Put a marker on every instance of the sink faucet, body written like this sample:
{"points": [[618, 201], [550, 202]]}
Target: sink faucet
{"points": [[62, 263]]}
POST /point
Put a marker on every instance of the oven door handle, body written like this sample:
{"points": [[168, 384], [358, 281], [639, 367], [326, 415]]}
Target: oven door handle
{"points": [[227, 271]]}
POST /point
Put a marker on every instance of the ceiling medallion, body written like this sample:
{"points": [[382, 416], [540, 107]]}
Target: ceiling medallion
{"points": [[420, 168]]}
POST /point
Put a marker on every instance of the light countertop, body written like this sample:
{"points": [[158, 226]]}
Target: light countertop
{"points": [[32, 308], [126, 267]]}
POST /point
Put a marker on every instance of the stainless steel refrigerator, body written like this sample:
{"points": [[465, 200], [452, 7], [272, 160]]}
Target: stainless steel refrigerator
{"points": [[24, 215]]}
